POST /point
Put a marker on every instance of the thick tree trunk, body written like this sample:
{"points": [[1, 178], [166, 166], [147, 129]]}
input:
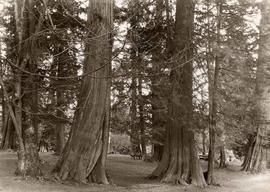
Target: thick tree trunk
{"points": [[257, 159], [84, 156], [180, 162]]}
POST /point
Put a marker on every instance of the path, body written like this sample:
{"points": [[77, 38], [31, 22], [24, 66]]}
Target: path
{"points": [[128, 175]]}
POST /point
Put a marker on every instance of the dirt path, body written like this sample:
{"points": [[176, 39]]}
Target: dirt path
{"points": [[127, 175]]}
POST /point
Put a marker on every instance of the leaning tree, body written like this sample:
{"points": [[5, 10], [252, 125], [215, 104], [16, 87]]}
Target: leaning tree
{"points": [[180, 162], [84, 156]]}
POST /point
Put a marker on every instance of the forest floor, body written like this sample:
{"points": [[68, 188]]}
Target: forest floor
{"points": [[127, 175]]}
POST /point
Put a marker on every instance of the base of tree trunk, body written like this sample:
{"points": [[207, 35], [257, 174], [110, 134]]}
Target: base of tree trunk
{"points": [[255, 161], [28, 162], [169, 171]]}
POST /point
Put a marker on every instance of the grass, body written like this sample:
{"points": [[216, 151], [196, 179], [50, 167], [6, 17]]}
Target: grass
{"points": [[127, 175]]}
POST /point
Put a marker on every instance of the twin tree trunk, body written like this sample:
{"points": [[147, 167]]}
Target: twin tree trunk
{"points": [[28, 159], [180, 162], [84, 156], [256, 160]]}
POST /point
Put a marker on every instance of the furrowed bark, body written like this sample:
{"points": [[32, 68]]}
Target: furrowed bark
{"points": [[180, 162], [84, 156], [256, 160]]}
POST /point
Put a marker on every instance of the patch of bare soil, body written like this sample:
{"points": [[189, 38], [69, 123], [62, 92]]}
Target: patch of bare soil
{"points": [[127, 175]]}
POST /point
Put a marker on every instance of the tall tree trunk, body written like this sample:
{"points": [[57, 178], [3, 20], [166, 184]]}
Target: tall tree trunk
{"points": [[7, 128], [133, 113], [135, 59], [158, 108], [28, 160], [213, 85], [180, 162], [84, 156], [60, 126], [257, 160]]}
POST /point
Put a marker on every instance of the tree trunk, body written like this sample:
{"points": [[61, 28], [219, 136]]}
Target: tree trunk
{"points": [[203, 142], [180, 162], [213, 102], [141, 119], [84, 156], [133, 114], [8, 135], [222, 163], [248, 152], [28, 160], [158, 151], [135, 63], [60, 126], [157, 99], [257, 160]]}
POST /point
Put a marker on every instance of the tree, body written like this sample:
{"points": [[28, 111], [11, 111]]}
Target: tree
{"points": [[213, 86], [28, 24], [256, 160], [84, 156], [180, 162], [158, 100]]}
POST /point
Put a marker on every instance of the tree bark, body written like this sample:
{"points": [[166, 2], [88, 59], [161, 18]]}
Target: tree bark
{"points": [[180, 162], [257, 159], [222, 163], [28, 159], [141, 119], [213, 86], [135, 63], [84, 156], [8, 135], [157, 99], [134, 140], [203, 142], [60, 126]]}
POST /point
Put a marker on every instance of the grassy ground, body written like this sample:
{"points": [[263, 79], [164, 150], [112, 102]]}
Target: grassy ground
{"points": [[127, 175]]}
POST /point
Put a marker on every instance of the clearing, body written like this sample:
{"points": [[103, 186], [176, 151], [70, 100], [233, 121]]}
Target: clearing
{"points": [[127, 175]]}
